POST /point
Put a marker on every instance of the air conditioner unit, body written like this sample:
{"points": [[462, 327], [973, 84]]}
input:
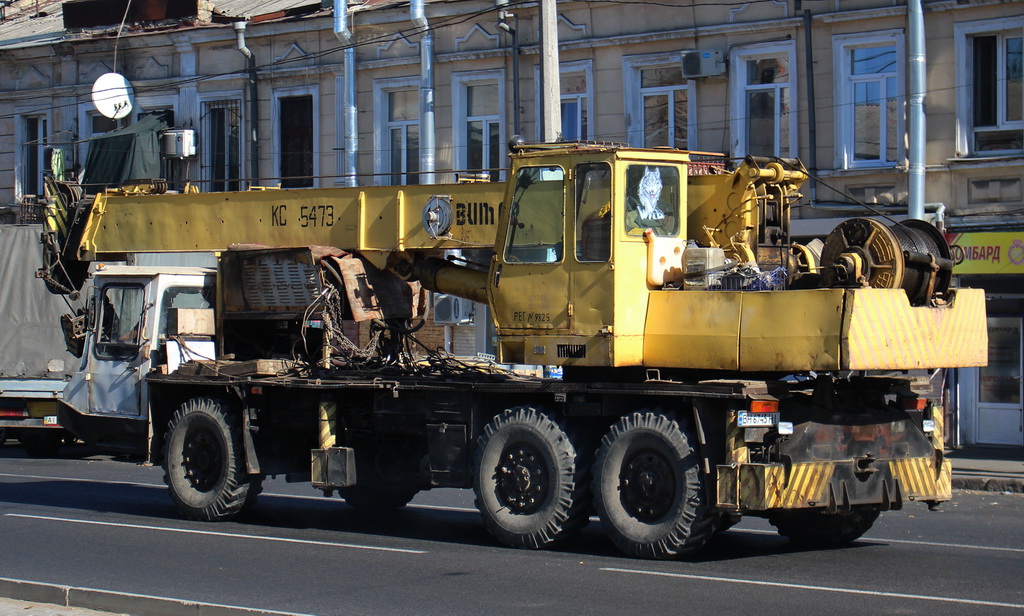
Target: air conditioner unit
{"points": [[451, 310], [178, 143], [698, 63]]}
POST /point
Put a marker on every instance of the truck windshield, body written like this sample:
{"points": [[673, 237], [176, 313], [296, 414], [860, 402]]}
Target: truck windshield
{"points": [[537, 214]]}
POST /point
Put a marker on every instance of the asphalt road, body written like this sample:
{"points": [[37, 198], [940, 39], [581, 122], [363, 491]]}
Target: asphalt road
{"points": [[100, 522]]}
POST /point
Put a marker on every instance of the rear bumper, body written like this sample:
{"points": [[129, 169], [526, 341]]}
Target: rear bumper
{"points": [[835, 485]]}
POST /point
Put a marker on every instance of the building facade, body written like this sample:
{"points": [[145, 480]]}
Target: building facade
{"points": [[381, 92]]}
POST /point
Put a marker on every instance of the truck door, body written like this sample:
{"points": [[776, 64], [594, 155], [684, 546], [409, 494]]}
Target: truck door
{"points": [[116, 366], [592, 283], [530, 291]]}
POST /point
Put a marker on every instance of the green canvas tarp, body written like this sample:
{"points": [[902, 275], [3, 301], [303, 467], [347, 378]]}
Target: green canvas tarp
{"points": [[129, 153]]}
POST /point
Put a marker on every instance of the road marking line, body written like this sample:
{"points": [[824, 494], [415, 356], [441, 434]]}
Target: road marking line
{"points": [[852, 591], [186, 531], [262, 494], [112, 482], [471, 510], [907, 541]]}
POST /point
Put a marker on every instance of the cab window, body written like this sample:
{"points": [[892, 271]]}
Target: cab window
{"points": [[181, 297], [120, 320], [652, 200], [593, 212], [537, 213]]}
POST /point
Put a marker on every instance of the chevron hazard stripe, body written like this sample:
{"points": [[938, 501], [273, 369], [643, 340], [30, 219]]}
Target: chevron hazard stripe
{"points": [[882, 331]]}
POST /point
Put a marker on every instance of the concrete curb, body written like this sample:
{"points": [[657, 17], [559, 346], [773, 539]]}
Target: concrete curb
{"points": [[120, 602], [989, 484]]}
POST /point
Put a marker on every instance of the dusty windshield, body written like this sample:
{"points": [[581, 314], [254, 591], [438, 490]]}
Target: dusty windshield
{"points": [[535, 230]]}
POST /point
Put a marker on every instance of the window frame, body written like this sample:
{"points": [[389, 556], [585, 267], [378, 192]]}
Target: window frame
{"points": [[842, 49], [23, 184], [632, 67], [461, 81], [586, 98], [963, 35], [275, 117], [119, 349], [206, 143], [738, 88], [382, 88]]}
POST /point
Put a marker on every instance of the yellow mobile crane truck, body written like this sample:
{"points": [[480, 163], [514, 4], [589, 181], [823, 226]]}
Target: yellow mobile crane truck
{"points": [[712, 368]]}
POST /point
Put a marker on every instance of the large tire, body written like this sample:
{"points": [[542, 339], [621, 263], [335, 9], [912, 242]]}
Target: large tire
{"points": [[43, 443], [813, 528], [204, 465], [530, 484], [649, 488]]}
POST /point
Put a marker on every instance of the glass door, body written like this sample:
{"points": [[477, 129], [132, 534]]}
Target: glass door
{"points": [[1000, 412]]}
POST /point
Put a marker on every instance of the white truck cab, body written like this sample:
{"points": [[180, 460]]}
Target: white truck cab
{"points": [[132, 329]]}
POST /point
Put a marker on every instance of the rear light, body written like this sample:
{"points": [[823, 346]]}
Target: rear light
{"points": [[764, 406], [13, 413]]}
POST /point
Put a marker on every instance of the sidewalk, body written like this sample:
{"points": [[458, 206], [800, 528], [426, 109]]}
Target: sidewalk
{"points": [[24, 598], [991, 469]]}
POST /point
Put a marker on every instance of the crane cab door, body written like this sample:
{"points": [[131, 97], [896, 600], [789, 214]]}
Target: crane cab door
{"points": [[591, 264], [529, 288], [117, 361]]}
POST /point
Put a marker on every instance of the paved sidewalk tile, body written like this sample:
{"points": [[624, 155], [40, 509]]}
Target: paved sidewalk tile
{"points": [[10, 607]]}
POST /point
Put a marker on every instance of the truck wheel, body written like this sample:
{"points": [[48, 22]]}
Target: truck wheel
{"points": [[530, 486], [41, 443], [812, 528], [203, 462], [649, 488]]}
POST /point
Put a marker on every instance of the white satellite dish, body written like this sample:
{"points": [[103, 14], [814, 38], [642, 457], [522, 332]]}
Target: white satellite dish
{"points": [[113, 95]]}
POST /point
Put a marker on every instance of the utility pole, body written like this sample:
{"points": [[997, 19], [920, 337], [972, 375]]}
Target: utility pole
{"points": [[917, 75], [551, 106]]}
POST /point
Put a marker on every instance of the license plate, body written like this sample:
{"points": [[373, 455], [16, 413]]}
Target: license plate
{"points": [[50, 420], [754, 420]]}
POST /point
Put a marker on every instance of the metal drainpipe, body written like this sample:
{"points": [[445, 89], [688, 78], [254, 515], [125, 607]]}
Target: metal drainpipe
{"points": [[427, 136], [916, 74], [254, 104], [344, 35]]}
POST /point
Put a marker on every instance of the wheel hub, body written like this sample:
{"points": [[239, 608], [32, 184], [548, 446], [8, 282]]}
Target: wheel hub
{"points": [[202, 460], [521, 479], [647, 486]]}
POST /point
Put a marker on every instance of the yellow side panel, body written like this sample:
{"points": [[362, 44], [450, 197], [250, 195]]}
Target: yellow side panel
{"points": [[791, 330], [693, 329], [883, 332], [629, 350], [744, 330]]}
